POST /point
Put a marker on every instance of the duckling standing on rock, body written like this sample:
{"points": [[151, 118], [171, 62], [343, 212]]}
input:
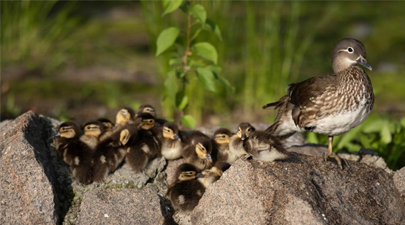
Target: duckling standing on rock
{"points": [[331, 104], [187, 190], [237, 141], [144, 146], [74, 152], [198, 154], [221, 145], [262, 146]]}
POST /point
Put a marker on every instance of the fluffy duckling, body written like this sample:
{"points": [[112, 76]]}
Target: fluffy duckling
{"points": [[111, 152], [108, 127], [74, 152], [92, 132], [187, 190], [146, 108], [262, 146], [144, 146], [236, 142], [198, 154], [221, 140], [211, 175], [170, 141], [124, 116]]}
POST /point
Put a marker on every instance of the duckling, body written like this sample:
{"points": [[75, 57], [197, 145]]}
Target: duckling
{"points": [[146, 108], [92, 131], [198, 154], [170, 141], [74, 152], [124, 116], [187, 191], [221, 145], [261, 145], [108, 127], [144, 146], [111, 152], [237, 140]]}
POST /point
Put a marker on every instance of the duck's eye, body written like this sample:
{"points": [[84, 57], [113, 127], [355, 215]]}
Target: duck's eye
{"points": [[223, 136], [350, 49], [249, 129]]}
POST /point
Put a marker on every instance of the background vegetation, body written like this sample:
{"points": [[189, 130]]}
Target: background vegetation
{"points": [[82, 60]]}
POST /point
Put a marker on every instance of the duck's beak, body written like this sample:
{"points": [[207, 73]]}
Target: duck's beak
{"points": [[243, 137], [57, 135], [362, 61], [209, 157], [199, 175], [176, 137]]}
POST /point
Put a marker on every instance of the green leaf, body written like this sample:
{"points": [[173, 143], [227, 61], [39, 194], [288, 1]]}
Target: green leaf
{"points": [[374, 126], [188, 121], [166, 39], [206, 51], [175, 61], [170, 5], [198, 11], [171, 86], [216, 70], [211, 26], [182, 103], [207, 78], [386, 134], [312, 138]]}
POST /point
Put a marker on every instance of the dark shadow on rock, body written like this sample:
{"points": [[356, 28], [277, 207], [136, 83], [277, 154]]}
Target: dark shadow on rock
{"points": [[39, 134]]}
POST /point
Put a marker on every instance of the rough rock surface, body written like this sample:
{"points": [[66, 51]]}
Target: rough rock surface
{"points": [[399, 180], [30, 178], [120, 206], [37, 188], [301, 190]]}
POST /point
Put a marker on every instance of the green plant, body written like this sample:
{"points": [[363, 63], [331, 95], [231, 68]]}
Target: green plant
{"points": [[378, 133], [189, 58]]}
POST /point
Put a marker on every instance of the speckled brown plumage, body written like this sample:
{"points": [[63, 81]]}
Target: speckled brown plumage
{"points": [[331, 104]]}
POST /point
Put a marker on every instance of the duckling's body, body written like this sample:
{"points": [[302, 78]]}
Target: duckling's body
{"points": [[111, 152], [145, 146], [198, 154], [74, 152], [170, 141], [187, 190], [221, 145], [236, 142], [262, 146]]}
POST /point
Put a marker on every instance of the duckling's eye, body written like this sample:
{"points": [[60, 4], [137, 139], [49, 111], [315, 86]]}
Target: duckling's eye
{"points": [[223, 136], [249, 129], [350, 49]]}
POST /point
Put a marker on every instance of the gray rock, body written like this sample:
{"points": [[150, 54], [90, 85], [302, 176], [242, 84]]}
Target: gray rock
{"points": [[33, 188], [300, 190], [399, 180], [120, 206]]}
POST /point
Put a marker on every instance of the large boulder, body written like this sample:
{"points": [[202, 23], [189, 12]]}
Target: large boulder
{"points": [[301, 190], [30, 175]]}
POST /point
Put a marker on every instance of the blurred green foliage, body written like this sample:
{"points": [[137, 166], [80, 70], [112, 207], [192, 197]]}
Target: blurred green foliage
{"points": [[264, 46], [382, 135]]}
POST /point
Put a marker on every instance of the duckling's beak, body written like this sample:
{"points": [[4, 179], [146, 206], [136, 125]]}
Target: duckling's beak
{"points": [[199, 175], [362, 61], [176, 137], [209, 157], [243, 137], [57, 135]]}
